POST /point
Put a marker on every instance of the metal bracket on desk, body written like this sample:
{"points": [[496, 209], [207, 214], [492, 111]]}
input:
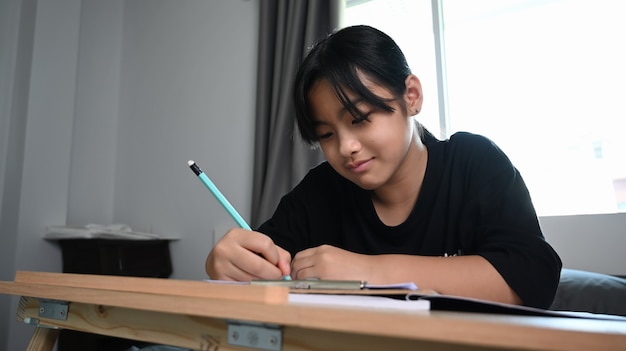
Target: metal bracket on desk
{"points": [[53, 309], [257, 336]]}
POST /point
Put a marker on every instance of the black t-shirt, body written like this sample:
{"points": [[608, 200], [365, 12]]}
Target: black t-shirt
{"points": [[473, 201]]}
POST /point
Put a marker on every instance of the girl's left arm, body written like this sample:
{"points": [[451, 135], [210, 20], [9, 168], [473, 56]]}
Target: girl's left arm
{"points": [[468, 276]]}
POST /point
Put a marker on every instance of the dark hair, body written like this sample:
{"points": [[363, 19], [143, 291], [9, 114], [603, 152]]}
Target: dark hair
{"points": [[339, 58]]}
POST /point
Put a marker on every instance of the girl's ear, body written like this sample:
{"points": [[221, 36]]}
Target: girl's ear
{"points": [[413, 97]]}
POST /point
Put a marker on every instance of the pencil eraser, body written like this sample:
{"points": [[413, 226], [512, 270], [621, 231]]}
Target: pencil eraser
{"points": [[190, 162]]}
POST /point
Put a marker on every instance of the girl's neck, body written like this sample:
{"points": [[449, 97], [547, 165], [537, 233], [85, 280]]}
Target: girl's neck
{"points": [[395, 200]]}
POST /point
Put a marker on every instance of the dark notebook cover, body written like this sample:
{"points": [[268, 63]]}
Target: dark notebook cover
{"points": [[464, 304]]}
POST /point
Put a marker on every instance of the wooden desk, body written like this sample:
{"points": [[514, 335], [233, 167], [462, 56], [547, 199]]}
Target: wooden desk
{"points": [[202, 316]]}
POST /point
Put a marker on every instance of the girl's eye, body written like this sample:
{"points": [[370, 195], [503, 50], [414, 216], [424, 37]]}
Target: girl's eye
{"points": [[325, 135], [362, 118]]}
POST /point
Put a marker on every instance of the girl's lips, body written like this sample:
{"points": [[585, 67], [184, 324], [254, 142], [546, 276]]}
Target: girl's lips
{"points": [[359, 166]]}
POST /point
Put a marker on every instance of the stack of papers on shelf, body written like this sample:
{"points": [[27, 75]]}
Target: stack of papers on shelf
{"points": [[96, 231]]}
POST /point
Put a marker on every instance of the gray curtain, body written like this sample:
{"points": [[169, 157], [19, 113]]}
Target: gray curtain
{"points": [[287, 29]]}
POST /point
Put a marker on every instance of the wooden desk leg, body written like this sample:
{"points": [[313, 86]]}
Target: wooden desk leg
{"points": [[43, 339]]}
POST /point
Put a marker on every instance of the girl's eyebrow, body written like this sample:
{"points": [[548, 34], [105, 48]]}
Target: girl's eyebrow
{"points": [[354, 103], [342, 110]]}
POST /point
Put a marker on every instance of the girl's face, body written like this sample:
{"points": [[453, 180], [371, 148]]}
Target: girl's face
{"points": [[368, 151]]}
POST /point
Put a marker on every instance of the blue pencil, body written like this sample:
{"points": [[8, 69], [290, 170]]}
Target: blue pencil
{"points": [[218, 195]]}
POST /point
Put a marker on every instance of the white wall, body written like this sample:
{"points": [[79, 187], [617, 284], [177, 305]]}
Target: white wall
{"points": [[94, 136], [176, 83], [43, 188], [118, 96], [590, 242], [187, 92], [14, 64]]}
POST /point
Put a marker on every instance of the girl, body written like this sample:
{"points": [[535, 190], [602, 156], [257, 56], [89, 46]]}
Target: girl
{"points": [[392, 203]]}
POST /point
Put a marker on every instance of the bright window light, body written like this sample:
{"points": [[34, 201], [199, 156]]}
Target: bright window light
{"points": [[544, 79]]}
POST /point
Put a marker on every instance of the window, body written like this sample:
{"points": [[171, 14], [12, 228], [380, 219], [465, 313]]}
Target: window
{"points": [[544, 79]]}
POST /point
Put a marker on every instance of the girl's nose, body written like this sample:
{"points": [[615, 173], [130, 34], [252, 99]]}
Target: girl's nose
{"points": [[348, 144]]}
